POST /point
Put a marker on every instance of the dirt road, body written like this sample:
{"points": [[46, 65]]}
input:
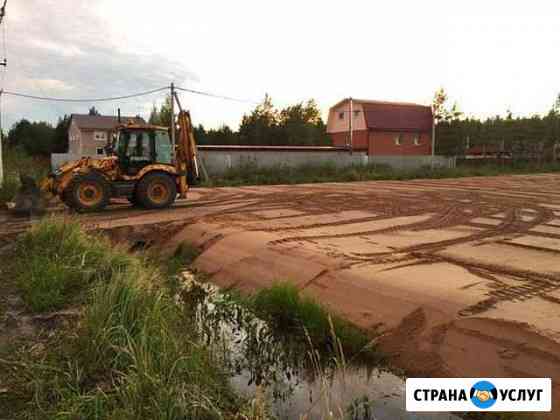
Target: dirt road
{"points": [[462, 276]]}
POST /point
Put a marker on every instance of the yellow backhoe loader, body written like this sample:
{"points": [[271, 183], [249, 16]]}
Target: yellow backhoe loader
{"points": [[142, 165]]}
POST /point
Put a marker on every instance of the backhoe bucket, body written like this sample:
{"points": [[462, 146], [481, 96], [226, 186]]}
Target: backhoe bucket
{"points": [[29, 199]]}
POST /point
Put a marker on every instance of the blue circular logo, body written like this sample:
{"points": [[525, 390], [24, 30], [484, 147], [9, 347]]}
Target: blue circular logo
{"points": [[483, 394]]}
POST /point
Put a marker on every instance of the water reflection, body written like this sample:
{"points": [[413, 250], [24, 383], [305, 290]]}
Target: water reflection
{"points": [[261, 361]]}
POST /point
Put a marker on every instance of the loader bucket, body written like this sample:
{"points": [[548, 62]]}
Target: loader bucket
{"points": [[29, 200]]}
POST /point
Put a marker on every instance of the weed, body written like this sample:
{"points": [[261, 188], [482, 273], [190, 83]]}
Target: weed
{"points": [[286, 310]]}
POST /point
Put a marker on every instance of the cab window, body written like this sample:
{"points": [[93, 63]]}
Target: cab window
{"points": [[139, 146], [120, 143], [164, 150]]}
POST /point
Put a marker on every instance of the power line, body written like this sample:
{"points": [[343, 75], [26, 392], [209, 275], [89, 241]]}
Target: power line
{"points": [[213, 95], [114, 98]]}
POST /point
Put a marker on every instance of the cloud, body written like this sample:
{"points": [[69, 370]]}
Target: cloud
{"points": [[57, 48], [64, 48], [47, 84]]}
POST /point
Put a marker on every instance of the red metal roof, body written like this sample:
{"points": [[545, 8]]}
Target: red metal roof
{"points": [[397, 116], [375, 102]]}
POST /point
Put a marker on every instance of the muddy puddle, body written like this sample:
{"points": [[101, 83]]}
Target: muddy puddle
{"points": [[292, 381]]}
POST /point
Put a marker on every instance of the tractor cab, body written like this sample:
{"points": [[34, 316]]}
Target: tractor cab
{"points": [[137, 146]]}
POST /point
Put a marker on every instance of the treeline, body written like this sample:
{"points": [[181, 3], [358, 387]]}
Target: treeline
{"points": [[520, 138], [40, 138], [299, 124]]}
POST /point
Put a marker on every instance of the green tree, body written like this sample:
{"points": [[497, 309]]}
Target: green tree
{"points": [[552, 135], [534, 138], [220, 136], [200, 134], [60, 136], [36, 138], [298, 124], [556, 106], [450, 132], [301, 124], [161, 116], [223, 135], [441, 110], [261, 125], [93, 111]]}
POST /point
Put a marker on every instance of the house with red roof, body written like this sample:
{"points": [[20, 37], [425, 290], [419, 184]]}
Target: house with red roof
{"points": [[381, 128]]}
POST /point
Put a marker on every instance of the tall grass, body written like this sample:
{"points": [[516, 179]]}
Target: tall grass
{"points": [[133, 333], [56, 261], [251, 174], [133, 353]]}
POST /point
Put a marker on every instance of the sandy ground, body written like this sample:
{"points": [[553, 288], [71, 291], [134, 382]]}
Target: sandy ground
{"points": [[462, 276]]}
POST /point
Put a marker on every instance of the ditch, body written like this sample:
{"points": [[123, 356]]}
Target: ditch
{"points": [[296, 377]]}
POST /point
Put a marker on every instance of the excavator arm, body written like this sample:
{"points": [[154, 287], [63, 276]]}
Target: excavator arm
{"points": [[186, 159]]}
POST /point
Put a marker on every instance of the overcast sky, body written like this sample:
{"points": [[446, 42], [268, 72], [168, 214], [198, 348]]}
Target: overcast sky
{"points": [[489, 55]]}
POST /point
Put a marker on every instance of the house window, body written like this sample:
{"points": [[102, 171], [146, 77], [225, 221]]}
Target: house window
{"points": [[416, 140], [398, 139], [100, 151], [100, 136], [356, 114], [341, 115]]}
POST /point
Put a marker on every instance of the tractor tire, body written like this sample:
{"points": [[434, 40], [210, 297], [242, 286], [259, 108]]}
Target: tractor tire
{"points": [[89, 192], [156, 191]]}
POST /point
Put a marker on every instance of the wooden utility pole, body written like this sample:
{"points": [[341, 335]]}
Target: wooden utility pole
{"points": [[1, 143], [4, 63], [173, 119], [350, 128], [433, 141]]}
